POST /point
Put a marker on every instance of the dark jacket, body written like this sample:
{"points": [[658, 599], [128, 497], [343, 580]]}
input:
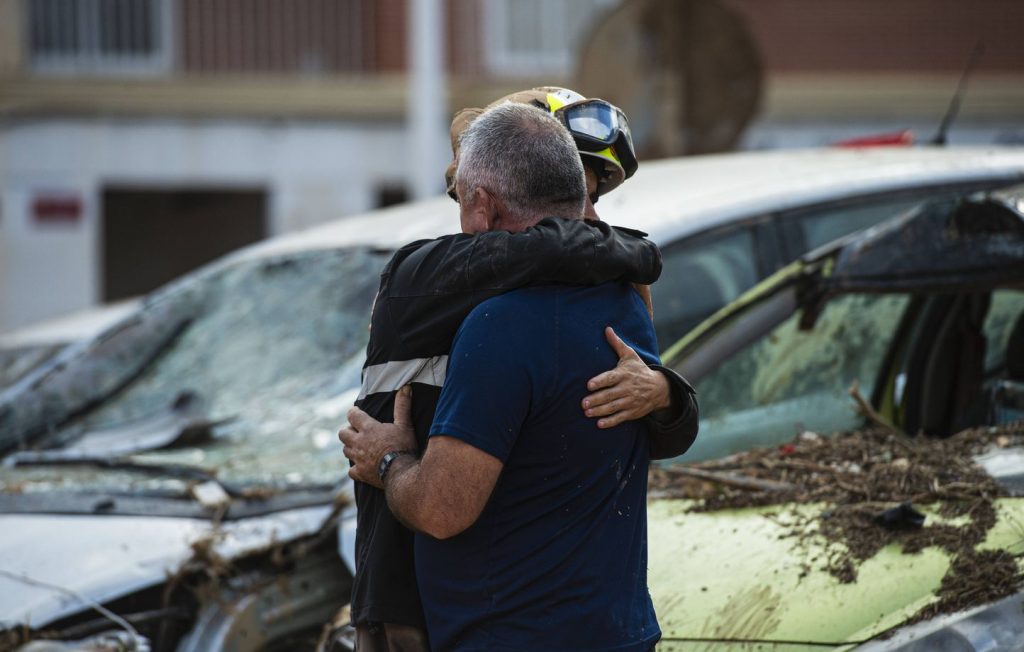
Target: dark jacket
{"points": [[426, 290]]}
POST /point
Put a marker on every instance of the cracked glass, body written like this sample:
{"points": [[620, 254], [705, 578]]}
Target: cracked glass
{"points": [[792, 380], [274, 351]]}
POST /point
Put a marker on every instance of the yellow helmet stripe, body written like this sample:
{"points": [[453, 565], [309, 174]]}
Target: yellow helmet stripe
{"points": [[554, 102], [607, 153]]}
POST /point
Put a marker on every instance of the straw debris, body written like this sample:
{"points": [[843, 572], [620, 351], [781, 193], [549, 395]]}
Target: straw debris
{"points": [[858, 476]]}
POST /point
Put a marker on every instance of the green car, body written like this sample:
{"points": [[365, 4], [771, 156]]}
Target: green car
{"points": [[772, 533]]}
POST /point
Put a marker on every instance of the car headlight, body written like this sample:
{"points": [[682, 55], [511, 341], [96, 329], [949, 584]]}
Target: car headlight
{"points": [[998, 627]]}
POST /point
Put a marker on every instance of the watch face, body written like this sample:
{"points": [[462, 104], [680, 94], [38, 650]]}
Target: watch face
{"points": [[385, 463]]}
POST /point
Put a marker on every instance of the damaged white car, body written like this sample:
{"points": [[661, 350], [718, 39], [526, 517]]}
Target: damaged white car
{"points": [[167, 480]]}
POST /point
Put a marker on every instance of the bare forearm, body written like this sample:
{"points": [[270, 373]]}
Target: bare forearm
{"points": [[425, 499], [404, 493]]}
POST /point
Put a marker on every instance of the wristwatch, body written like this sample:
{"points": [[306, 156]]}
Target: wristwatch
{"points": [[385, 462]]}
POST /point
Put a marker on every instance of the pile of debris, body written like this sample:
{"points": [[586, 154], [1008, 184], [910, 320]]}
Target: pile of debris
{"points": [[876, 466], [869, 482]]}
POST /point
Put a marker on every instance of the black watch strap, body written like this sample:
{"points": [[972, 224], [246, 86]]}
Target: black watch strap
{"points": [[385, 462]]}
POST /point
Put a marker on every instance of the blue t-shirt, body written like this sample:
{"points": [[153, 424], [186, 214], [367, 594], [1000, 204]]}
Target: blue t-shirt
{"points": [[558, 558]]}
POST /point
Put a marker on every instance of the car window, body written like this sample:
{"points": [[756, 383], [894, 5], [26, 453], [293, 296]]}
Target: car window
{"points": [[822, 227], [1006, 310], [700, 275], [791, 380]]}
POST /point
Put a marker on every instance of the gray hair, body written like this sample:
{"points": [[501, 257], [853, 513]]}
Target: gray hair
{"points": [[527, 159]]}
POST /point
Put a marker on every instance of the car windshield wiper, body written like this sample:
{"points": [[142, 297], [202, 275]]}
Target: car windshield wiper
{"points": [[182, 471], [182, 423], [203, 497]]}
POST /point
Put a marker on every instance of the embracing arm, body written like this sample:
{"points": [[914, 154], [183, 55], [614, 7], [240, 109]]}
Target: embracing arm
{"points": [[636, 390], [445, 491], [672, 431], [432, 285], [440, 494], [555, 250]]}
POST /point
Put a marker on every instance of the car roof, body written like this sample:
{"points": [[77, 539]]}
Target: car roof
{"points": [[674, 197]]}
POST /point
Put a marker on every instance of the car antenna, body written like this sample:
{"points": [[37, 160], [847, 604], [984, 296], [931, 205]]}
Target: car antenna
{"points": [[954, 104]]}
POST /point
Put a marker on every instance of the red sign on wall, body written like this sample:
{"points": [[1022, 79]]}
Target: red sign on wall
{"points": [[57, 209]]}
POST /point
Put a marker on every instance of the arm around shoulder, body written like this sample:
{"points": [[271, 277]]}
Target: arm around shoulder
{"points": [[553, 250]]}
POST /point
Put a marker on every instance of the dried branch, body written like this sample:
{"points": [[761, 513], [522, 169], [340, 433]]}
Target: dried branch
{"points": [[865, 409], [732, 479]]}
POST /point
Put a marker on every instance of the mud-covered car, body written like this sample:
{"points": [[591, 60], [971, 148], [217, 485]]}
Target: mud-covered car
{"points": [[858, 473], [173, 477]]}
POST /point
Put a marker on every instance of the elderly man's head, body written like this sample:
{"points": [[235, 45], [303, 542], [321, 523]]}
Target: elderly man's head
{"points": [[517, 166]]}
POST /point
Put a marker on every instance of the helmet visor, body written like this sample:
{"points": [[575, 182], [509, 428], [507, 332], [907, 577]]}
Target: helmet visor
{"points": [[596, 125], [595, 122]]}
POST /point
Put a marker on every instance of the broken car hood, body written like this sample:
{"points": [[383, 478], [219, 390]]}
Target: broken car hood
{"points": [[51, 564]]}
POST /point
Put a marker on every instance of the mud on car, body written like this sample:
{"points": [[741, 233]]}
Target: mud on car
{"points": [[858, 477]]}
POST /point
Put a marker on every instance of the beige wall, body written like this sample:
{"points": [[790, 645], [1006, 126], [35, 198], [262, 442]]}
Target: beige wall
{"points": [[10, 37]]}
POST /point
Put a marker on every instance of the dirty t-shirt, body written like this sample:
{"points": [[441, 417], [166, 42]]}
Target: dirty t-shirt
{"points": [[558, 558]]}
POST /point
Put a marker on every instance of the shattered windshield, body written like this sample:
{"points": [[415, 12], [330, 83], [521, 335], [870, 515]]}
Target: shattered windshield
{"points": [[269, 362], [791, 379]]}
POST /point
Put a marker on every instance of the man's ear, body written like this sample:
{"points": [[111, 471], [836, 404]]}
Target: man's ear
{"points": [[483, 211]]}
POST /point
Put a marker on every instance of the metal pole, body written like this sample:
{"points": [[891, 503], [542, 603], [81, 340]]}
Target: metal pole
{"points": [[427, 110]]}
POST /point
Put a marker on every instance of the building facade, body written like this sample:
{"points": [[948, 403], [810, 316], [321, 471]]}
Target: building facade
{"points": [[141, 138]]}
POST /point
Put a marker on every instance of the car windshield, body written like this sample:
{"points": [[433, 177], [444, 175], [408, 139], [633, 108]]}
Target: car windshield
{"points": [[273, 358], [791, 379]]}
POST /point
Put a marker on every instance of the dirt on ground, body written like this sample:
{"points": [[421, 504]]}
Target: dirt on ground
{"points": [[872, 482]]}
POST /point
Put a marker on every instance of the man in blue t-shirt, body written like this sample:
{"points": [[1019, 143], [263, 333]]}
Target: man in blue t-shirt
{"points": [[532, 519], [557, 559]]}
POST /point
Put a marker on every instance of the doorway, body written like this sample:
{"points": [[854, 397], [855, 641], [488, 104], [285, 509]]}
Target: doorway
{"points": [[152, 236]]}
